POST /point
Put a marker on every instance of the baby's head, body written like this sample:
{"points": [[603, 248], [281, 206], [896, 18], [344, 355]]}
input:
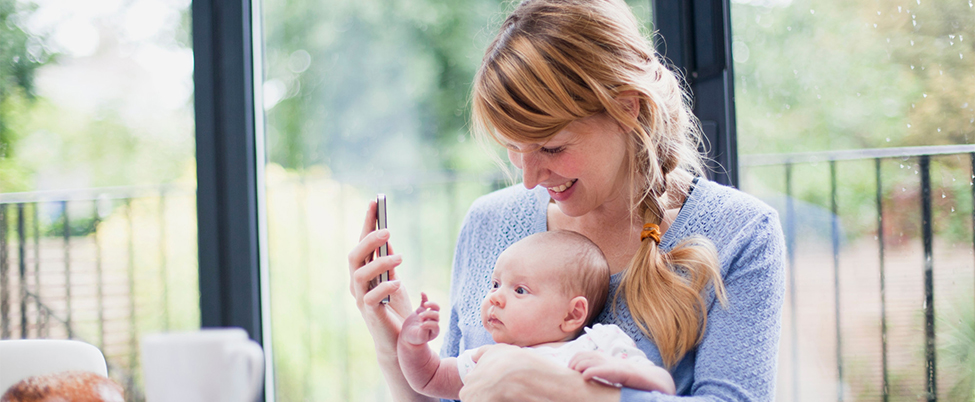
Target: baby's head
{"points": [[545, 288]]}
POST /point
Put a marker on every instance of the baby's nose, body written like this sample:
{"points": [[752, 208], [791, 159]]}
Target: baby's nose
{"points": [[496, 299]]}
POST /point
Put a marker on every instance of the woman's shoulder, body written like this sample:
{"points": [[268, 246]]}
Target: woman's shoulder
{"points": [[730, 218], [724, 199]]}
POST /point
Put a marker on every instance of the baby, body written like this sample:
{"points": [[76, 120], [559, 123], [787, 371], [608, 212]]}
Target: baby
{"points": [[544, 291]]}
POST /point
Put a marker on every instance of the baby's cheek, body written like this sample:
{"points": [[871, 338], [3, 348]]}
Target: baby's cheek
{"points": [[484, 310]]}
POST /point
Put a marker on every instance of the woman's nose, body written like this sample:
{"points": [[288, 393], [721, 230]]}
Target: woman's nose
{"points": [[533, 169]]}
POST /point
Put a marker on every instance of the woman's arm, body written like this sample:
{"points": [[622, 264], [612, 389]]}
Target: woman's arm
{"points": [[737, 360], [384, 321]]}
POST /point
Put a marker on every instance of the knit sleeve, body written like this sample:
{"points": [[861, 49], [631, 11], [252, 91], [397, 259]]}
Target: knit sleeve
{"points": [[452, 337], [737, 359]]}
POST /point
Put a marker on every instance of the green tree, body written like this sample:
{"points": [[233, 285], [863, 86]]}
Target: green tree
{"points": [[21, 54]]}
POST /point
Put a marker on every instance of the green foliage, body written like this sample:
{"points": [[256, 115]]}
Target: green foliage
{"points": [[21, 54], [816, 75], [79, 227], [958, 349], [834, 75], [373, 82]]}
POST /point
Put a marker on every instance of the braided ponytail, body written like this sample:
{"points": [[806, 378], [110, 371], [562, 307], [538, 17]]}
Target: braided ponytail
{"points": [[665, 290]]}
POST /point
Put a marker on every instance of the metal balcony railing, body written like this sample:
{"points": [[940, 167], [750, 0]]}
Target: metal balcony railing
{"points": [[57, 282], [922, 156], [73, 264]]}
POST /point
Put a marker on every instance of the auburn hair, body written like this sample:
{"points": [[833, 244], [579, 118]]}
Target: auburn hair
{"points": [[557, 61]]}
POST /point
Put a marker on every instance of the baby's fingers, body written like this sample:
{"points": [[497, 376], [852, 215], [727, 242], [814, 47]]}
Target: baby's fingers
{"points": [[423, 301], [430, 315]]}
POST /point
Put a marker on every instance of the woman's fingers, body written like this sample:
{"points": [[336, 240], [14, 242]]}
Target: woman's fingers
{"points": [[363, 252], [362, 278], [375, 296], [369, 224]]}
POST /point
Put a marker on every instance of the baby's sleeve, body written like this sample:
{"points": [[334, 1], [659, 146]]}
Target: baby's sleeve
{"points": [[611, 340], [465, 363]]}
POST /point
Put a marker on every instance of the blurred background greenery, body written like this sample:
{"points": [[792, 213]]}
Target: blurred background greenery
{"points": [[372, 96]]}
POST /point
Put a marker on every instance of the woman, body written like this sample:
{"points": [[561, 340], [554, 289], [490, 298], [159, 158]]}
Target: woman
{"points": [[608, 148]]}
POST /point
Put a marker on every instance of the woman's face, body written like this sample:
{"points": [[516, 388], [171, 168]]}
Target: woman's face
{"points": [[582, 166]]}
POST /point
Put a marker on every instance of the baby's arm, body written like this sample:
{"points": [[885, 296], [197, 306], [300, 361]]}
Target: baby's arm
{"points": [[424, 370], [635, 372]]}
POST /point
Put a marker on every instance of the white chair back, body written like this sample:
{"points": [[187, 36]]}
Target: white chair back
{"points": [[22, 358]]}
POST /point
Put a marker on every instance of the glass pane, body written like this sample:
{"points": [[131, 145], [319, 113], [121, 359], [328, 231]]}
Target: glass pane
{"points": [[832, 97], [360, 98], [97, 174]]}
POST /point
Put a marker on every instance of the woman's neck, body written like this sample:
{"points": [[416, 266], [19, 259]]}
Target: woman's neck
{"points": [[614, 227]]}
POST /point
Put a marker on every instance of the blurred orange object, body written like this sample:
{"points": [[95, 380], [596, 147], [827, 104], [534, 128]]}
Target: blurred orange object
{"points": [[68, 386]]}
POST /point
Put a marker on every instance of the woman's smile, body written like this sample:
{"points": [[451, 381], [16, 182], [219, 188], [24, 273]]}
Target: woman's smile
{"points": [[563, 187]]}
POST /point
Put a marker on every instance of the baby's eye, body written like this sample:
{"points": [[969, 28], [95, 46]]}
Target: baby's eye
{"points": [[495, 285], [521, 290]]}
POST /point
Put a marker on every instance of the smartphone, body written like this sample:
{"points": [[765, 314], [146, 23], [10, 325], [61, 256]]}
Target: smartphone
{"points": [[381, 224]]}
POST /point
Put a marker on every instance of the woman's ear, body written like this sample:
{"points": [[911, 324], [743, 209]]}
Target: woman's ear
{"points": [[630, 101], [576, 317]]}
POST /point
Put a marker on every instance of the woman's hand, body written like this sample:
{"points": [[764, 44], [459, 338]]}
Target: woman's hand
{"points": [[383, 320], [510, 373]]}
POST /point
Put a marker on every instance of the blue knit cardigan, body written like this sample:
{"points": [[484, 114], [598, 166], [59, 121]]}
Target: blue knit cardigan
{"points": [[736, 361]]}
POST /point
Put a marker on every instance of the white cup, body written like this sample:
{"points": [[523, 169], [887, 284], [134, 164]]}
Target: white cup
{"points": [[210, 365]]}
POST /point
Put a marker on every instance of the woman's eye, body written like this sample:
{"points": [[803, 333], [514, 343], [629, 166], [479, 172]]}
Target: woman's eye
{"points": [[552, 150], [520, 290]]}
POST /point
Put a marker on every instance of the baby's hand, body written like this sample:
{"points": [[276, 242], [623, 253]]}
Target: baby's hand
{"points": [[423, 325], [600, 367]]}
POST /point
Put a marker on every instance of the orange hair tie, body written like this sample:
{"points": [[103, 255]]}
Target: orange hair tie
{"points": [[652, 231]]}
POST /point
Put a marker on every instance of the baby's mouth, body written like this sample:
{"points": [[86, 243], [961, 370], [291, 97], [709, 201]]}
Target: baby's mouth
{"points": [[494, 321]]}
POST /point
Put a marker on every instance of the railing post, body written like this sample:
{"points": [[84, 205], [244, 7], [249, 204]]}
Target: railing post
{"points": [[790, 246], [99, 280], [883, 285], [37, 267], [836, 278], [67, 267], [972, 187], [22, 268], [4, 277], [133, 337], [927, 234], [163, 271]]}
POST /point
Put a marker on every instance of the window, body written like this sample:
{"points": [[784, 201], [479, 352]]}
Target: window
{"points": [[97, 180], [361, 98], [855, 120]]}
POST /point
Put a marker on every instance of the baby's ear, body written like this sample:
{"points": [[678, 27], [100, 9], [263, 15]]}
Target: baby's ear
{"points": [[576, 317]]}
